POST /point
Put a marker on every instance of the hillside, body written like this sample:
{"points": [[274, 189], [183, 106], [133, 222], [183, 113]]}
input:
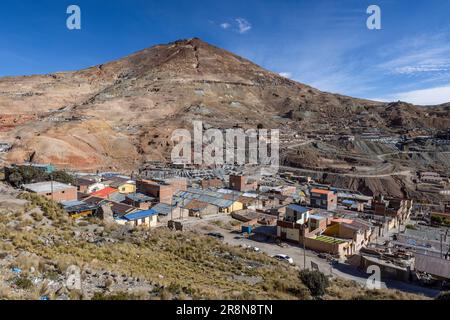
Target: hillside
{"points": [[120, 114], [39, 244]]}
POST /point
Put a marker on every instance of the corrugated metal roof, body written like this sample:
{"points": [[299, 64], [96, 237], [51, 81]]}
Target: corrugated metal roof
{"points": [[298, 208], [210, 197], [47, 187], [139, 197], [117, 197], [162, 209]]}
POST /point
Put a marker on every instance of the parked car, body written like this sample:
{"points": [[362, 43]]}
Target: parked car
{"points": [[256, 249], [216, 235], [283, 257], [281, 244], [323, 255]]}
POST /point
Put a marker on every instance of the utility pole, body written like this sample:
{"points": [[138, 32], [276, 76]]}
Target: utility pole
{"points": [[51, 185], [304, 247]]}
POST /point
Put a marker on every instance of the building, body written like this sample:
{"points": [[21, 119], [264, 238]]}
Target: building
{"points": [[399, 209], [146, 218], [217, 199], [55, 191], [292, 226], [198, 208], [139, 200], [78, 209], [322, 233], [211, 183], [242, 183], [324, 199], [104, 193], [161, 190], [122, 184], [167, 213], [88, 186]]}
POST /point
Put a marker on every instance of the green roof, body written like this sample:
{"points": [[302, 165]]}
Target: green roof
{"points": [[330, 240]]}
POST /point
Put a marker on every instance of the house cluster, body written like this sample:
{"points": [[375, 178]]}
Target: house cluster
{"points": [[119, 198], [337, 222]]}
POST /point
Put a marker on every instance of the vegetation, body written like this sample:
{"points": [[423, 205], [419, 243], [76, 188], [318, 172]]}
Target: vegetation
{"points": [[23, 283], [315, 281], [440, 221], [17, 176], [122, 296], [444, 296], [179, 265]]}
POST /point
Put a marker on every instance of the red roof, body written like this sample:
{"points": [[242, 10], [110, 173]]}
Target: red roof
{"points": [[104, 193], [321, 191]]}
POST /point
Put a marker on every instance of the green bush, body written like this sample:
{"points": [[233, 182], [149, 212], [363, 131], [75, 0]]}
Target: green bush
{"points": [[315, 281], [23, 283], [443, 296], [17, 176]]}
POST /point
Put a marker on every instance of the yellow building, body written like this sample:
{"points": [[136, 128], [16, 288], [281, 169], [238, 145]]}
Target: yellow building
{"points": [[236, 206], [127, 188]]}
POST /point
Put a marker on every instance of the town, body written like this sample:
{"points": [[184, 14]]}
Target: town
{"points": [[291, 218]]}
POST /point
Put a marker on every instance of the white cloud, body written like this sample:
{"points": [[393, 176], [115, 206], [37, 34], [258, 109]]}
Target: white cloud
{"points": [[243, 25], [424, 68], [225, 25], [424, 54], [430, 96], [286, 74]]}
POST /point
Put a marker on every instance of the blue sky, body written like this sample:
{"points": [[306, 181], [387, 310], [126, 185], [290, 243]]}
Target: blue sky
{"points": [[323, 43]]}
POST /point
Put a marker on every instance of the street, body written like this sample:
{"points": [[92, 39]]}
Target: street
{"points": [[296, 252]]}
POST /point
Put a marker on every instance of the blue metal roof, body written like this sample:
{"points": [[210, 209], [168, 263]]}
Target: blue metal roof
{"points": [[298, 208], [140, 215]]}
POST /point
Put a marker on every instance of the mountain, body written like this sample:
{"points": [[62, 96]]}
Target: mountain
{"points": [[120, 114]]}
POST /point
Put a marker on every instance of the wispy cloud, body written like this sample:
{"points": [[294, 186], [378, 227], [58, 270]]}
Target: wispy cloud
{"points": [[430, 96], [243, 25], [421, 68], [239, 25], [424, 54]]}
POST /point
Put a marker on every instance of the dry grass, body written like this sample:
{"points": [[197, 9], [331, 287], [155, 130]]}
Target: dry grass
{"points": [[180, 265]]}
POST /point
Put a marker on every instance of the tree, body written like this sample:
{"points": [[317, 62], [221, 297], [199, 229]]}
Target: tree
{"points": [[315, 281], [17, 176]]}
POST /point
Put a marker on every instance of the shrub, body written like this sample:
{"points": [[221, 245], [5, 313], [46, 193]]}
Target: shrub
{"points": [[23, 283], [443, 296], [116, 296], [315, 281], [16, 176]]}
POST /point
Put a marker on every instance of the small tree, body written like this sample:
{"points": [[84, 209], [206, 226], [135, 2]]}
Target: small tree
{"points": [[315, 281]]}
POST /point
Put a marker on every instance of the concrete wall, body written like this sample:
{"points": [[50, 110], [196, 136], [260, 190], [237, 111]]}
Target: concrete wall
{"points": [[69, 194]]}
